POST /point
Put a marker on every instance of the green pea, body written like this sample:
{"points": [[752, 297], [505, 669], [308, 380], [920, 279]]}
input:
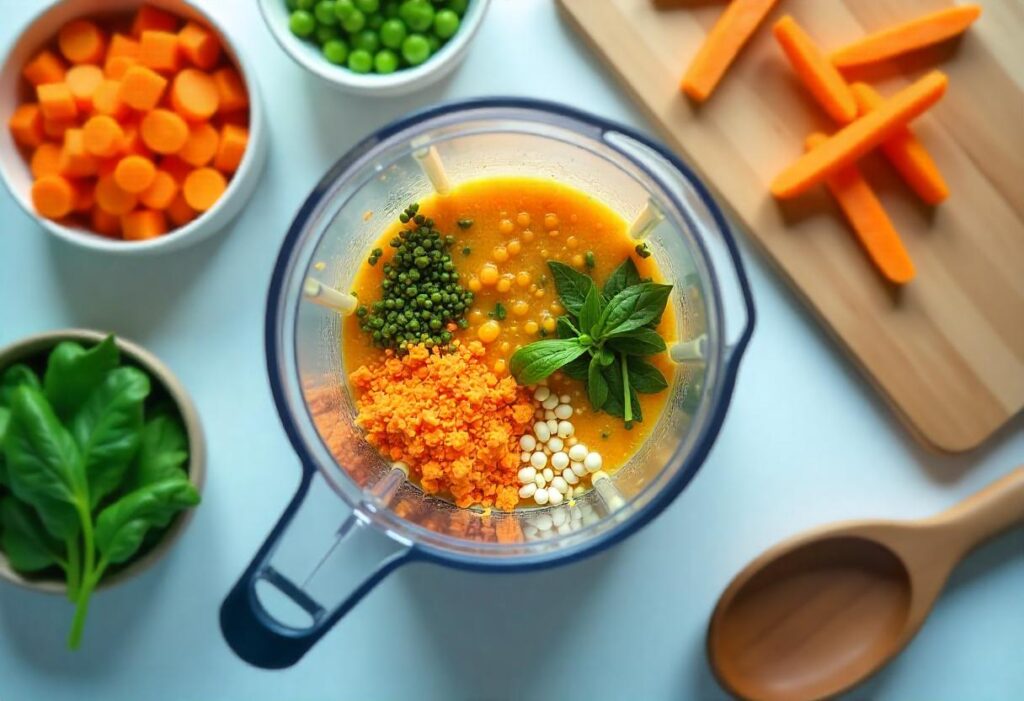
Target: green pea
{"points": [[336, 51], [368, 6], [360, 61], [354, 22], [458, 6], [302, 23], [392, 33], [391, 8], [324, 12], [366, 40], [343, 8], [325, 34], [434, 42], [418, 14], [304, 4], [292, 5], [375, 21], [416, 49], [446, 23], [386, 61]]}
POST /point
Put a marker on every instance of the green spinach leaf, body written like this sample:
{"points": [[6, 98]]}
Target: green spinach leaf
{"points": [[16, 376], [531, 364], [597, 388], [571, 284], [72, 373], [590, 312], [626, 275], [107, 429], [122, 526], [631, 309], [5, 419], [25, 542], [642, 341], [162, 454], [645, 378], [44, 467]]}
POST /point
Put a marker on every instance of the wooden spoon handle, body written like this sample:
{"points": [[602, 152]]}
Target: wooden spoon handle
{"points": [[987, 513]]}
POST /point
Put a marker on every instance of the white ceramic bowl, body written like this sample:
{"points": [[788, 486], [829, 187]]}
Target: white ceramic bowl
{"points": [[41, 31], [307, 54]]}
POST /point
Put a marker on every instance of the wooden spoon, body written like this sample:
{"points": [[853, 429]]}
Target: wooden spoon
{"points": [[818, 613]]}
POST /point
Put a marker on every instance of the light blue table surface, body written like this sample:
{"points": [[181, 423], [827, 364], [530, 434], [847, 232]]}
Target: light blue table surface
{"points": [[806, 441]]}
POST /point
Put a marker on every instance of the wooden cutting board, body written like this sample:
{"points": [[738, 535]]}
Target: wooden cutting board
{"points": [[947, 350]]}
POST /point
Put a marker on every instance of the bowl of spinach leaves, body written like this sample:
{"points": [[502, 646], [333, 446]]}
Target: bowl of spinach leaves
{"points": [[102, 459]]}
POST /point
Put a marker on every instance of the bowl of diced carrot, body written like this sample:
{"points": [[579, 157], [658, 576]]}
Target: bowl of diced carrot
{"points": [[131, 127]]}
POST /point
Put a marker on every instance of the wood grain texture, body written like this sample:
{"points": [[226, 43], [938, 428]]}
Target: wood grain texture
{"points": [[946, 351]]}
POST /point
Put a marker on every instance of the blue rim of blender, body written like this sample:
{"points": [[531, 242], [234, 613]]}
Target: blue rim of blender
{"points": [[732, 355]]}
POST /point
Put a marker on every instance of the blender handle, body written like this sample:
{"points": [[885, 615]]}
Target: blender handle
{"points": [[262, 640]]}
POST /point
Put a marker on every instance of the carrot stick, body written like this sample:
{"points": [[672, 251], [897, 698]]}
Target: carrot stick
{"points": [[907, 155], [820, 77], [907, 36], [872, 225], [722, 44], [854, 140]]}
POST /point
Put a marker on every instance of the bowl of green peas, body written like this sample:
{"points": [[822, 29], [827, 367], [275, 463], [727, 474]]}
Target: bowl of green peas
{"points": [[379, 47]]}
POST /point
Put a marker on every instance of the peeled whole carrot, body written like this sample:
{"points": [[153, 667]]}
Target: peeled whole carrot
{"points": [[872, 225], [819, 76], [906, 153], [722, 44], [860, 136], [907, 36]]}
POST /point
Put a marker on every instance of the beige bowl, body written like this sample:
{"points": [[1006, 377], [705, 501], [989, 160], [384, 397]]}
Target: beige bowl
{"points": [[34, 346]]}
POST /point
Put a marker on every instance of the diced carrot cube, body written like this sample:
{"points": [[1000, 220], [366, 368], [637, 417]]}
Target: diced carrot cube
{"points": [[107, 100], [116, 67], [45, 160], [75, 160], [199, 45], [152, 18], [233, 141], [233, 95], [105, 223], [26, 125], [81, 41], [122, 46], [46, 67], [160, 51], [142, 88], [179, 211], [56, 101], [143, 224]]}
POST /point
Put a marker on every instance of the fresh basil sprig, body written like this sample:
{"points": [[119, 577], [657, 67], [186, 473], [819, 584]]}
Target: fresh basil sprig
{"points": [[603, 338]]}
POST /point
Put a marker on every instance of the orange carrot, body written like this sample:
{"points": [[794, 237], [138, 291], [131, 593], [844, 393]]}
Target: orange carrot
{"points": [[159, 51], [854, 140], [722, 44], [819, 76], [112, 198], [194, 95], [85, 197], [134, 173], [143, 224], [233, 141], [122, 46], [161, 193], [116, 67], [81, 41], [53, 196], [83, 81], [75, 160], [179, 212], [45, 160], [26, 125], [178, 168], [907, 155], [56, 128], [163, 131], [152, 18], [132, 145], [56, 101], [231, 89], [203, 187], [199, 45], [907, 36], [46, 67], [105, 223], [201, 146], [868, 219], [103, 136], [142, 88]]}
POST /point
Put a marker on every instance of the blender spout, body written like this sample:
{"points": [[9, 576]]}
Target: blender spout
{"points": [[319, 293], [433, 167], [693, 351], [648, 219], [609, 494]]}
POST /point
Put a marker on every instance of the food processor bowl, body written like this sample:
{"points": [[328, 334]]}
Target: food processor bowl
{"points": [[286, 600]]}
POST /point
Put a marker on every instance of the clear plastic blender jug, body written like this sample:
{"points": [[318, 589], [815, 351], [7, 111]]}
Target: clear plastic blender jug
{"points": [[385, 521]]}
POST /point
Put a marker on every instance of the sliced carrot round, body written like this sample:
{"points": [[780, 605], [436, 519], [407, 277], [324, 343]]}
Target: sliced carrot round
{"points": [[53, 196], [103, 136], [81, 41], [134, 173], [203, 187], [45, 160], [163, 131], [201, 146], [194, 95], [179, 211], [83, 81], [105, 223], [161, 193], [112, 198], [143, 224]]}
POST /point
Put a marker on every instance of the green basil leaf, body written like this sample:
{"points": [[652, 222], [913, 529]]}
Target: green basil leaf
{"points": [[107, 429], [5, 419], [577, 369], [571, 284], [162, 454], [44, 467], [645, 378], [632, 308], [24, 540], [612, 375], [597, 388], [590, 312], [122, 526], [642, 341], [16, 376], [566, 327], [626, 275], [531, 364], [72, 373]]}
